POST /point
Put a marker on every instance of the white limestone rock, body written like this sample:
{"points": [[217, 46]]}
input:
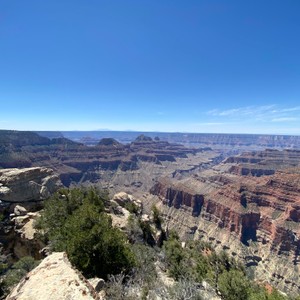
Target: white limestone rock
{"points": [[123, 198], [54, 279], [28, 184]]}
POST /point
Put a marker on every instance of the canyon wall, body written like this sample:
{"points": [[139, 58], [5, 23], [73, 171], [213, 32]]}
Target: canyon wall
{"points": [[254, 215]]}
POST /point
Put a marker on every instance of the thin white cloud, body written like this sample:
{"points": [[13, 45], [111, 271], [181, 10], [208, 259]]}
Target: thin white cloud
{"points": [[241, 111], [296, 108], [264, 113], [286, 119]]}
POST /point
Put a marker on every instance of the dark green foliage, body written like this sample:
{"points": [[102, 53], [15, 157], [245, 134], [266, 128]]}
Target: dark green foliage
{"points": [[175, 255], [60, 207], [94, 246], [147, 232], [197, 261], [156, 217], [233, 285], [74, 221], [132, 208], [16, 272]]}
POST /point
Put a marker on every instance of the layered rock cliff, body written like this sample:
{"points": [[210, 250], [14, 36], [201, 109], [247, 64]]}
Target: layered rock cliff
{"points": [[77, 163], [253, 214]]}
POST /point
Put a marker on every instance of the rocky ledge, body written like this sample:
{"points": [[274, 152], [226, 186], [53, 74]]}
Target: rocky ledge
{"points": [[54, 279], [28, 184]]}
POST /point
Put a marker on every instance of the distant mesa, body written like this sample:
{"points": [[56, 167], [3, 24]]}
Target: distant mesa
{"points": [[50, 134], [14, 138], [21, 138], [143, 138], [109, 142], [63, 141]]}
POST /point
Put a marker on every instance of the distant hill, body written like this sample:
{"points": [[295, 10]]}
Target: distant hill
{"points": [[22, 138], [50, 134], [193, 139], [109, 142]]}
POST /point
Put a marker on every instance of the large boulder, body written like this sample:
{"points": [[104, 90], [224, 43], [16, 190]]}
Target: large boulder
{"points": [[28, 184], [54, 279], [125, 200]]}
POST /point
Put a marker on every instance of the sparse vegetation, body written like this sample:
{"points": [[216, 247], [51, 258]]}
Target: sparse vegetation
{"points": [[75, 221], [12, 276], [132, 207], [156, 216]]}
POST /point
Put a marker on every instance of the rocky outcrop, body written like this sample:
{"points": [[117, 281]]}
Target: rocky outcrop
{"points": [[21, 195], [29, 184], [19, 239], [121, 205], [124, 199], [53, 279]]}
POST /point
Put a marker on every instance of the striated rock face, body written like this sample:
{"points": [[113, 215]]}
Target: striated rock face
{"points": [[53, 279], [77, 163], [254, 214], [29, 184]]}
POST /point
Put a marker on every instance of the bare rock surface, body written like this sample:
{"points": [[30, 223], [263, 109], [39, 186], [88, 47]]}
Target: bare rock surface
{"points": [[28, 184], [124, 199], [53, 279]]}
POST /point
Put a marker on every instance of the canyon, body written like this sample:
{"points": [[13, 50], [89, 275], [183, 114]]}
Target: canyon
{"points": [[241, 192], [248, 205]]}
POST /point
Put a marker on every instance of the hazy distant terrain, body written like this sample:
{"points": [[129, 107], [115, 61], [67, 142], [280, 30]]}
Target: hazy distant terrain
{"points": [[188, 139]]}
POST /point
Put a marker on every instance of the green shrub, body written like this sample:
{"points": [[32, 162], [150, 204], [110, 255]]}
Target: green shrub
{"points": [[174, 256], [94, 246], [147, 232], [233, 285], [74, 221], [156, 216], [132, 208]]}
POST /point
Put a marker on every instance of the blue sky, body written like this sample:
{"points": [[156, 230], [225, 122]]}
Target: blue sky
{"points": [[187, 66]]}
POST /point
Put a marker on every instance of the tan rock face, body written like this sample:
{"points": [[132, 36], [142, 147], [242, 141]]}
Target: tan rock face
{"points": [[28, 184], [249, 205], [123, 198], [53, 279]]}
